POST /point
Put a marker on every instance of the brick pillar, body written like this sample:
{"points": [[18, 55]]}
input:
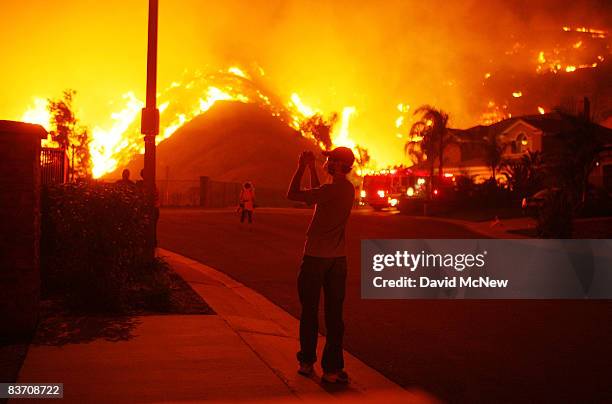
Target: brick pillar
{"points": [[20, 229]]}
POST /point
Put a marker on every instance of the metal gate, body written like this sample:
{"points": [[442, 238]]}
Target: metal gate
{"points": [[53, 166]]}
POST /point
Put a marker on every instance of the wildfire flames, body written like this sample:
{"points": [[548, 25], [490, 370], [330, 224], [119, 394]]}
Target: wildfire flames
{"points": [[576, 49], [182, 101], [501, 95]]}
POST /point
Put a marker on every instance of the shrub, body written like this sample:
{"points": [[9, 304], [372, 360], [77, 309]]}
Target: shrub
{"points": [[488, 194], [465, 186], [525, 175], [554, 218], [93, 243], [598, 202]]}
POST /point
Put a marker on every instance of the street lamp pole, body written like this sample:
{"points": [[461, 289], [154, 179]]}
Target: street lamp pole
{"points": [[150, 119]]}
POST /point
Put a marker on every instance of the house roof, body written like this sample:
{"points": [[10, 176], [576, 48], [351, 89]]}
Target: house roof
{"points": [[552, 123], [476, 133]]}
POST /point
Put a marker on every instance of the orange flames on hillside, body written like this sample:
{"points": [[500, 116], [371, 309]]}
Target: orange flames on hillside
{"points": [[574, 49], [114, 146], [563, 58]]}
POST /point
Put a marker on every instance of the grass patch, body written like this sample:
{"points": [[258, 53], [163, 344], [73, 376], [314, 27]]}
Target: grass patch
{"points": [[156, 289]]}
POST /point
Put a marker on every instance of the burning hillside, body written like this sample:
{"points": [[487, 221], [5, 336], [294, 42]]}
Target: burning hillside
{"points": [[234, 142], [364, 67], [565, 64], [184, 100]]}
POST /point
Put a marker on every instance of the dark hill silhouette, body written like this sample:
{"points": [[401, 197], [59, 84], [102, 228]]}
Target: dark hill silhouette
{"points": [[231, 142]]}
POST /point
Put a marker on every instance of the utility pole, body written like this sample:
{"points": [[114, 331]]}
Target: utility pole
{"points": [[150, 123]]}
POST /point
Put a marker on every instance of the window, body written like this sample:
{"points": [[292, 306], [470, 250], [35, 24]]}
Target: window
{"points": [[522, 143]]}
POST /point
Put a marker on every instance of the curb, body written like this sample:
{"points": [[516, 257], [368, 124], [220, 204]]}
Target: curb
{"points": [[503, 234], [272, 334]]}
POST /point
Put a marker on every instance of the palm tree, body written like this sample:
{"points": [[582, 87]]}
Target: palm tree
{"points": [[428, 137], [415, 146], [494, 151], [525, 174]]}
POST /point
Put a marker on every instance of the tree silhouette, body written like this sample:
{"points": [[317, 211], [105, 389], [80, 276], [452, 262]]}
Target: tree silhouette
{"points": [[414, 148], [494, 151], [70, 135], [363, 157], [572, 164], [525, 174], [428, 137], [320, 128]]}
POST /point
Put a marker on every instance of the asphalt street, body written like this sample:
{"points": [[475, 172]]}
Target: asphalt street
{"points": [[459, 351]]}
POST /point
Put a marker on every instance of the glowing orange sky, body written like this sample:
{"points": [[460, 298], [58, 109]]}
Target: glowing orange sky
{"points": [[371, 55]]}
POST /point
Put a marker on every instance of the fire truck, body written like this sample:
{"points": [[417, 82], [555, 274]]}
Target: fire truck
{"points": [[401, 187]]}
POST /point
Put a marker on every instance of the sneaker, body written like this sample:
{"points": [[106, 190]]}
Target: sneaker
{"points": [[340, 377], [306, 369]]}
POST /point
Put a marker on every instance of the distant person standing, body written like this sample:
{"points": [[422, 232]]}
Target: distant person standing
{"points": [[324, 263], [247, 202], [125, 179]]}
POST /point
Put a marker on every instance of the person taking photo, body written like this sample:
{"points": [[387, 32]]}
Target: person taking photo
{"points": [[324, 264]]}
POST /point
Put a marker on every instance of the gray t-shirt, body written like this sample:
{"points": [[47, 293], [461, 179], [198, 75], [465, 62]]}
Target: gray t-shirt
{"points": [[325, 236]]}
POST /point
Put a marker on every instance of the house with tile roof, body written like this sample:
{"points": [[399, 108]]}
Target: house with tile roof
{"points": [[467, 150]]}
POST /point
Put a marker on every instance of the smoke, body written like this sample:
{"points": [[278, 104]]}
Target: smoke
{"points": [[374, 55], [371, 55]]}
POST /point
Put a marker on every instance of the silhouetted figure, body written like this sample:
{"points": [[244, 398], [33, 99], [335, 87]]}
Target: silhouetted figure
{"points": [[324, 263], [247, 202], [125, 179]]}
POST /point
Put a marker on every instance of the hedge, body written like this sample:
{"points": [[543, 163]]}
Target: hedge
{"points": [[93, 243]]}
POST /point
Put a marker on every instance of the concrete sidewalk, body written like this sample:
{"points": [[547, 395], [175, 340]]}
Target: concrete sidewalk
{"points": [[272, 334], [244, 353]]}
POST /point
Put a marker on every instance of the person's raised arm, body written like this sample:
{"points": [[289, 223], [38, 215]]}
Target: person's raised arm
{"points": [[314, 177], [295, 192]]}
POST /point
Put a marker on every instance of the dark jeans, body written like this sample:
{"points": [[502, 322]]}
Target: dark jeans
{"points": [[244, 213], [329, 274]]}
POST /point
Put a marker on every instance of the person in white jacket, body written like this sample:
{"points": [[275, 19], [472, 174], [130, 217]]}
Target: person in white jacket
{"points": [[247, 202]]}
